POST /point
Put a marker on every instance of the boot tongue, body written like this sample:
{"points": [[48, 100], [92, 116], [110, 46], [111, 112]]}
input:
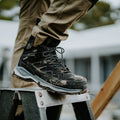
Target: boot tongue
{"points": [[51, 42], [30, 43]]}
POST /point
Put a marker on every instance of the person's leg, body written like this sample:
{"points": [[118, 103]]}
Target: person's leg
{"points": [[30, 10], [39, 61], [59, 17]]}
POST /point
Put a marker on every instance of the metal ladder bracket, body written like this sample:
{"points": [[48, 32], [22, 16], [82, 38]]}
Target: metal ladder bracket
{"points": [[45, 99]]}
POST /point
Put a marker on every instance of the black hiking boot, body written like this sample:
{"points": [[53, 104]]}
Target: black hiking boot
{"points": [[41, 65]]}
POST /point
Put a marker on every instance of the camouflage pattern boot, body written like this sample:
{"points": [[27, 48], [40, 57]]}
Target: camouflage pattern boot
{"points": [[41, 65]]}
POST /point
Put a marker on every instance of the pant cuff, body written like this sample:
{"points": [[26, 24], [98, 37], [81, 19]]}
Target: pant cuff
{"points": [[93, 1]]}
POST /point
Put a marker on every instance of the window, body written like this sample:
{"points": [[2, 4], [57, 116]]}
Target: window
{"points": [[82, 67]]}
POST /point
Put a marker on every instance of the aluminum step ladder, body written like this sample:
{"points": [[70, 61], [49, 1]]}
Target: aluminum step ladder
{"points": [[38, 104]]}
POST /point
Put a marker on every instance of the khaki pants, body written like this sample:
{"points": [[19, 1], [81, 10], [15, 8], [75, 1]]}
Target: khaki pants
{"points": [[56, 17]]}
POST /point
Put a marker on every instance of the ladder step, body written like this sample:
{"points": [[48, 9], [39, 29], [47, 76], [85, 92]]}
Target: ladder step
{"points": [[45, 99], [41, 105]]}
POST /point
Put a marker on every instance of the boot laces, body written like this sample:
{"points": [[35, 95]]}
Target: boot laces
{"points": [[51, 54]]}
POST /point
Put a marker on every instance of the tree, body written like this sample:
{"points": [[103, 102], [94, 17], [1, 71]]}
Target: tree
{"points": [[99, 15], [7, 5]]}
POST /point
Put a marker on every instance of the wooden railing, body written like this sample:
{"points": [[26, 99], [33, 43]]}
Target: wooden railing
{"points": [[107, 92]]}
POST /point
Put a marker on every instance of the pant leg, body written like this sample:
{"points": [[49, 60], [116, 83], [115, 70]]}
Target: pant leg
{"points": [[30, 10], [59, 17]]}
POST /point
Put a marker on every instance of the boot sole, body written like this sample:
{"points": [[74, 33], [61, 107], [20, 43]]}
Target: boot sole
{"points": [[27, 76]]}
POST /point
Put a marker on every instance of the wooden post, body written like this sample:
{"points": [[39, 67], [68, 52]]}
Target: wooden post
{"points": [[109, 89]]}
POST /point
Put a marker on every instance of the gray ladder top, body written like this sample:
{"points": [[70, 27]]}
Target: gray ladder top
{"points": [[46, 99]]}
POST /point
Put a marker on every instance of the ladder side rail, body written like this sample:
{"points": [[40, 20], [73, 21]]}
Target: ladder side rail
{"points": [[7, 107], [31, 110], [53, 113], [83, 111], [107, 92]]}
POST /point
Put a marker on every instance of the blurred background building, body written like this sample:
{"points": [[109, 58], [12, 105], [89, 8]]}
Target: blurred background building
{"points": [[92, 49]]}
